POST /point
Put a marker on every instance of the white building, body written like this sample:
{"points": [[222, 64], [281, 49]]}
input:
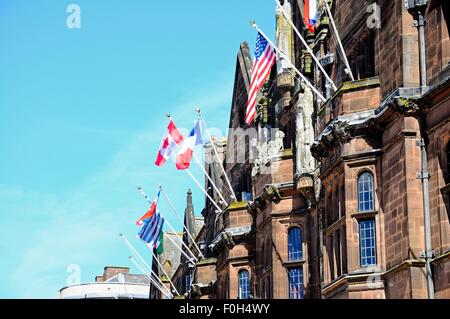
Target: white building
{"points": [[115, 283]]}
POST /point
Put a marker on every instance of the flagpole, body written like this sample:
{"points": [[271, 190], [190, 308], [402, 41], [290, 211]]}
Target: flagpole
{"points": [[158, 283], [290, 63], [154, 282], [203, 190], [179, 248], [217, 155], [171, 228], [134, 252], [162, 268], [347, 65], [210, 179], [181, 221], [192, 176], [306, 45]]}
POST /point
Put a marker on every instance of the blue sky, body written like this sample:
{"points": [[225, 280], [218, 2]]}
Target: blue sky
{"points": [[82, 112]]}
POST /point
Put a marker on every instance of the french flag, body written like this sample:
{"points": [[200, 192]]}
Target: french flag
{"points": [[310, 14], [186, 151], [169, 143]]}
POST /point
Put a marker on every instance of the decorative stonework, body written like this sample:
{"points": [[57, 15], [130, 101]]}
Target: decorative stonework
{"points": [[268, 152], [304, 108], [284, 36], [407, 106], [305, 186], [271, 193]]}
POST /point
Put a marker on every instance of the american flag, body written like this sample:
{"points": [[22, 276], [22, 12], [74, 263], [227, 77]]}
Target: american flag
{"points": [[264, 59]]}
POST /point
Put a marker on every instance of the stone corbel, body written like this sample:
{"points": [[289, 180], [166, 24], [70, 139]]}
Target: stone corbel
{"points": [[285, 83], [305, 186], [225, 240], [342, 131], [270, 194], [407, 106]]}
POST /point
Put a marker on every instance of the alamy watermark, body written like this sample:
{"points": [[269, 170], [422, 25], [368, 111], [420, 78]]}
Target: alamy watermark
{"points": [[74, 277], [374, 19], [74, 19]]}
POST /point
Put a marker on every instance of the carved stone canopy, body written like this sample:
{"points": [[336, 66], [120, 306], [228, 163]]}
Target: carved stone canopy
{"points": [[342, 130]]}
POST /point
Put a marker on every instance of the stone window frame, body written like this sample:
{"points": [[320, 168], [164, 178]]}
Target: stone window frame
{"points": [[358, 216], [302, 282], [360, 173], [295, 263], [249, 283], [290, 228], [375, 243]]}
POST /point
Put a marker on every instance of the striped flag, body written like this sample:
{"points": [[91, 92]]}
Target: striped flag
{"points": [[150, 212], [160, 248], [151, 231], [169, 143], [310, 14], [264, 60]]}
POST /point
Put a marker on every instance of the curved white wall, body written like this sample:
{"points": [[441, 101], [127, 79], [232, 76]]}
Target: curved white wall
{"points": [[105, 290]]}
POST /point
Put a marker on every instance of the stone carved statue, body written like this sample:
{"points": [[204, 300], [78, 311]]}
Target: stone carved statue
{"points": [[304, 108], [268, 151], [261, 158], [276, 147]]}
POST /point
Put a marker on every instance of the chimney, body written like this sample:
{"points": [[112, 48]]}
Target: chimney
{"points": [[112, 271]]}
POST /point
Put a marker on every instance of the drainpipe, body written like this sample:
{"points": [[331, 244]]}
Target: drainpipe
{"points": [[422, 55], [417, 9], [424, 175]]}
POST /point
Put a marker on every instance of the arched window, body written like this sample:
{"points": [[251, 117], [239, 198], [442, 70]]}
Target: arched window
{"points": [[295, 240], [244, 284], [365, 192]]}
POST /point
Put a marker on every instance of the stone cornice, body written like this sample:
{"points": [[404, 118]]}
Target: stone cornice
{"points": [[342, 129], [362, 276], [444, 257], [336, 225]]}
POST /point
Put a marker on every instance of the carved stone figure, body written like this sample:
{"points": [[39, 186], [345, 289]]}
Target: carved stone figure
{"points": [[276, 146], [267, 152], [261, 159], [304, 132]]}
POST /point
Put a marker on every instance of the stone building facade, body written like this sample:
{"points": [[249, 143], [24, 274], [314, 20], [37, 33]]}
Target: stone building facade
{"points": [[331, 197]]}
